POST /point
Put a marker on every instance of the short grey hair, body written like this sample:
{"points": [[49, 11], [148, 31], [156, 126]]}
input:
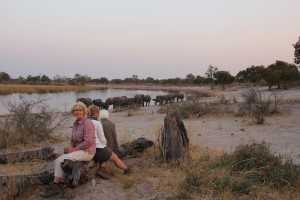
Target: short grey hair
{"points": [[104, 114]]}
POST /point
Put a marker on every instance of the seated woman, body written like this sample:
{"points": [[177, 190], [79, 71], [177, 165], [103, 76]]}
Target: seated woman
{"points": [[109, 129], [82, 148], [103, 153]]}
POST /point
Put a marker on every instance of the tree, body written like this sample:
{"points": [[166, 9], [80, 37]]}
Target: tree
{"points": [[190, 78], [199, 80], [210, 74], [297, 52], [149, 80], [81, 79], [45, 79], [223, 77], [135, 78], [33, 79], [254, 74], [4, 77], [103, 80], [280, 72]]}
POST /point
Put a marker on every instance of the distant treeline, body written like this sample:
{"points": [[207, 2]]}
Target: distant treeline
{"points": [[277, 74]]}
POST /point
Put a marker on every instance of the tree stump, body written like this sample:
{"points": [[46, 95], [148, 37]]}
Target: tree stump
{"points": [[175, 141], [78, 172]]}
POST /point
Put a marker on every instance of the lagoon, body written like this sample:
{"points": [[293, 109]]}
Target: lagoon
{"points": [[64, 100]]}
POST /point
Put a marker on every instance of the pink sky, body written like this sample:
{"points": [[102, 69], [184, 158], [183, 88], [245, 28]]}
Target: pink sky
{"points": [[159, 39]]}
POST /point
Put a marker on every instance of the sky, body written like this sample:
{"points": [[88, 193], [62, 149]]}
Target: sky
{"points": [[161, 39]]}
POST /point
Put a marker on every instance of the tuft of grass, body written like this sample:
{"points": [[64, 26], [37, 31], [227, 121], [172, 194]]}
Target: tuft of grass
{"points": [[244, 172]]}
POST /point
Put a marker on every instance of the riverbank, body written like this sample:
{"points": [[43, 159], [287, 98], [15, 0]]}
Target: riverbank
{"points": [[6, 89]]}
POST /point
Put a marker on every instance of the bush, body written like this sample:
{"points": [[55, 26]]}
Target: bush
{"points": [[242, 172], [192, 109], [29, 121], [257, 163], [258, 107]]}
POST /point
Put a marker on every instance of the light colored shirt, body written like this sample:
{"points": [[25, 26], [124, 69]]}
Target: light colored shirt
{"points": [[99, 134]]}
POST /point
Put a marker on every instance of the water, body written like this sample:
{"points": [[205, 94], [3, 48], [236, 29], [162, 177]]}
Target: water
{"points": [[65, 100]]}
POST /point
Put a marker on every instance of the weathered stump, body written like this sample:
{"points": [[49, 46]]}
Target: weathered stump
{"points": [[175, 141], [78, 172]]}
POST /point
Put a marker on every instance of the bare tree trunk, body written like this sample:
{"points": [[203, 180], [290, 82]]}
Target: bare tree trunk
{"points": [[175, 141]]}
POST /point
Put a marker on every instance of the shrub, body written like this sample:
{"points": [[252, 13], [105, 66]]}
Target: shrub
{"points": [[29, 121], [258, 107], [242, 172], [192, 109]]}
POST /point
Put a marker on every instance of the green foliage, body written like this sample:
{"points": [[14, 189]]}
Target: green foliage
{"points": [[223, 78], [4, 77], [257, 163], [190, 78], [248, 167], [297, 52], [280, 72], [254, 74], [210, 74]]}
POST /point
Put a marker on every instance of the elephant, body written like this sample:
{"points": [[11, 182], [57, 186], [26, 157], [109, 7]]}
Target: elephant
{"points": [[138, 100], [109, 101], [130, 102], [179, 96], [169, 98], [98, 102], [124, 102], [146, 99], [159, 99], [116, 102], [86, 101], [104, 106], [120, 102]]}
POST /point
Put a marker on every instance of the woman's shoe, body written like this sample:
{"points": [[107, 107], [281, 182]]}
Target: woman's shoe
{"points": [[102, 173], [128, 171]]}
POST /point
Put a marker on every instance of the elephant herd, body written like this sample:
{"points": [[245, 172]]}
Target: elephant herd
{"points": [[168, 98], [139, 100]]}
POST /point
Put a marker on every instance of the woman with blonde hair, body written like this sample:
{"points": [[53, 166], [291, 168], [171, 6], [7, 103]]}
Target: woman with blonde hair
{"points": [[82, 148]]}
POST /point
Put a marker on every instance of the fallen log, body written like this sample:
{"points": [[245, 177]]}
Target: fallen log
{"points": [[134, 147], [175, 141], [45, 153], [14, 186], [77, 172]]}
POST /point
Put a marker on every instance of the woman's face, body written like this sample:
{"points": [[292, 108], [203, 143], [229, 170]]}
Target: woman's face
{"points": [[78, 112]]}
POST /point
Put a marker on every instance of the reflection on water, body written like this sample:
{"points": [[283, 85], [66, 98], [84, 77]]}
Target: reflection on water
{"points": [[65, 100]]}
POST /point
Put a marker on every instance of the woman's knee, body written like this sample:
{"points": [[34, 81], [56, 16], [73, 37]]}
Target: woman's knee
{"points": [[113, 157]]}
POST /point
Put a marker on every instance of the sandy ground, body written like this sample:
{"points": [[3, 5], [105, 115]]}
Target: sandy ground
{"points": [[221, 132], [216, 132]]}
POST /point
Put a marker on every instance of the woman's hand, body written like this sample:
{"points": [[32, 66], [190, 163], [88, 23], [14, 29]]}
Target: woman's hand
{"points": [[70, 149]]}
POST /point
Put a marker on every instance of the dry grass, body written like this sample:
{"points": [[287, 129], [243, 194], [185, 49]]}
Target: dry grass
{"points": [[42, 89]]}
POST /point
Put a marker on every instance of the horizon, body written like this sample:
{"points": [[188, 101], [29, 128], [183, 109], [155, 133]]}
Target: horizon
{"points": [[158, 39]]}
